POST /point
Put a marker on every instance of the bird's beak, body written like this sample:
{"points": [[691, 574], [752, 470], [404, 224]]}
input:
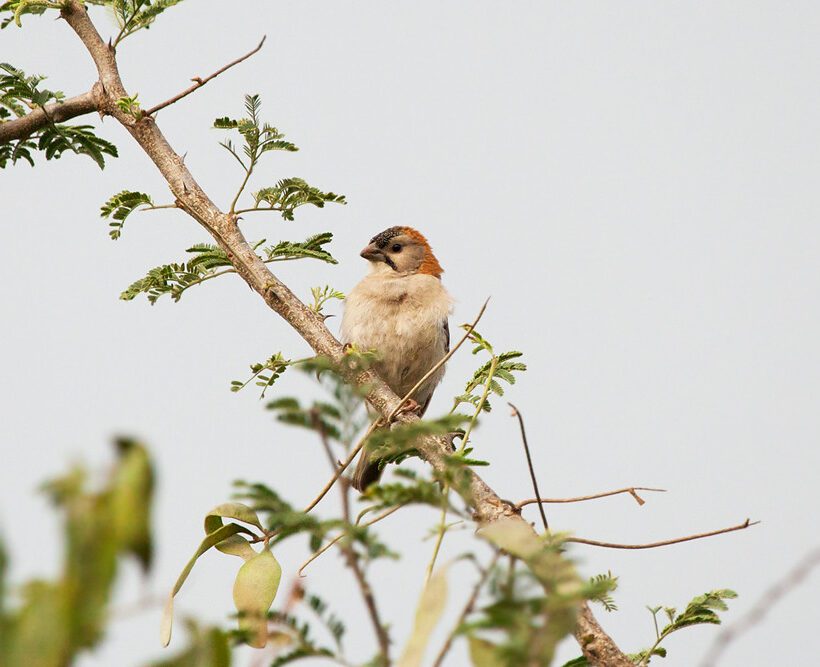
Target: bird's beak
{"points": [[372, 254]]}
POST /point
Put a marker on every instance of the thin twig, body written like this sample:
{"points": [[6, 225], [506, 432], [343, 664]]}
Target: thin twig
{"points": [[756, 614], [199, 82], [467, 610], [664, 543], [517, 413], [440, 363], [441, 529], [488, 507], [631, 490], [350, 554], [342, 467], [319, 552]]}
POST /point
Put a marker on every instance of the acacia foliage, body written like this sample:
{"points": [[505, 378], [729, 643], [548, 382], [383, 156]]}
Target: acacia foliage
{"points": [[528, 589]]}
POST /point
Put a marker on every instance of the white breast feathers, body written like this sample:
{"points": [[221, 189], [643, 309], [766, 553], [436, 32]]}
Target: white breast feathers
{"points": [[403, 318]]}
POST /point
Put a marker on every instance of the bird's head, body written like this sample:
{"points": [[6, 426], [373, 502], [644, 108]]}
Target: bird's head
{"points": [[403, 250]]}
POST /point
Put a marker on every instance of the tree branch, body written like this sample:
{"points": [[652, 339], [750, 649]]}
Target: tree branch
{"points": [[350, 555], [517, 413], [199, 82], [55, 112], [466, 610], [487, 505], [764, 605], [631, 490], [664, 543]]}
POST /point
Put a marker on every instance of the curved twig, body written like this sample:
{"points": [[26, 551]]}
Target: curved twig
{"points": [[488, 507], [353, 452], [319, 552], [664, 543], [773, 595], [440, 363], [631, 490], [517, 413]]}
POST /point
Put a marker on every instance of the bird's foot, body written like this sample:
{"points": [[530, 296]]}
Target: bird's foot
{"points": [[408, 407]]}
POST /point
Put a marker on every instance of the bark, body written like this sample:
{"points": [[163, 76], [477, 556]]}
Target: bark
{"points": [[55, 112], [597, 646]]}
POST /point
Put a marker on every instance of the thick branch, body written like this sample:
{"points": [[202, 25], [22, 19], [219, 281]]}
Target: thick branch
{"points": [[55, 112], [487, 505]]}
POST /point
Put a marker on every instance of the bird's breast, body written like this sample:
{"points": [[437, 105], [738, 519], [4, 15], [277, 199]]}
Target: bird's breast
{"points": [[402, 319]]}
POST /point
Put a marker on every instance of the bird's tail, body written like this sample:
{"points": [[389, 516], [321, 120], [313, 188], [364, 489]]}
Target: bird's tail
{"points": [[367, 472]]}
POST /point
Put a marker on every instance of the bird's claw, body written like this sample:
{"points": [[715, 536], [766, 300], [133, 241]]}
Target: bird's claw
{"points": [[408, 407]]}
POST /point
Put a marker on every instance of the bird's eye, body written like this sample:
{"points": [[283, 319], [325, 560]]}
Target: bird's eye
{"points": [[396, 247]]}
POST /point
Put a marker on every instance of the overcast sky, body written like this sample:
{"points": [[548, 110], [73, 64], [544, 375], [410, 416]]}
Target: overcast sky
{"points": [[634, 184]]}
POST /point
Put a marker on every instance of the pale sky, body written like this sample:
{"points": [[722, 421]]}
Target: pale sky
{"points": [[634, 184]]}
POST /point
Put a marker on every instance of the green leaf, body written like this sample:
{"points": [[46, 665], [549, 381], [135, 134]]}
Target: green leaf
{"points": [[429, 611], [557, 575], [120, 206], [580, 661], [132, 489], [130, 106], [275, 365], [291, 193], [21, 7], [210, 540], [312, 247], [236, 545], [207, 647], [175, 279], [40, 636], [253, 593], [484, 653]]}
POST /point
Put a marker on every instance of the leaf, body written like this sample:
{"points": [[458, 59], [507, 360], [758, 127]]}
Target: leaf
{"points": [[132, 489], [207, 647], [210, 540], [275, 365], [429, 611], [236, 545], [580, 661], [20, 7], [253, 593], [557, 575], [312, 247], [120, 206], [291, 193], [20, 93], [484, 653], [175, 279]]}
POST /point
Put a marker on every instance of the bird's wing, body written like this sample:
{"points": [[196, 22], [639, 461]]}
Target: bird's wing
{"points": [[445, 328]]}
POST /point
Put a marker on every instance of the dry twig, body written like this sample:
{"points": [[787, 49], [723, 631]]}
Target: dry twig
{"points": [[756, 614], [488, 507], [199, 82], [631, 490], [517, 413], [664, 543]]}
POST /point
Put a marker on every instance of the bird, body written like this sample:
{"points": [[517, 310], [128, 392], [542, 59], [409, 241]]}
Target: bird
{"points": [[400, 310]]}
